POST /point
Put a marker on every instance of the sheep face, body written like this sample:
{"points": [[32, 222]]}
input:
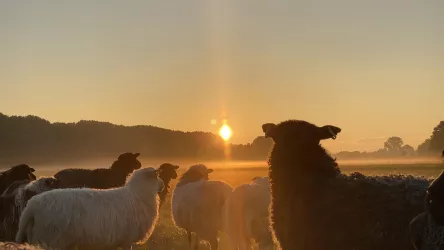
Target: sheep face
{"points": [[168, 170], [35, 187], [297, 132], [41, 185]]}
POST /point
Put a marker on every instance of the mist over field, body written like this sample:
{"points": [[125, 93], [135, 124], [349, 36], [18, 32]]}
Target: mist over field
{"points": [[429, 167]]}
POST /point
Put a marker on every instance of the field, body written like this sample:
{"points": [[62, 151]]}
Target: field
{"points": [[167, 237]]}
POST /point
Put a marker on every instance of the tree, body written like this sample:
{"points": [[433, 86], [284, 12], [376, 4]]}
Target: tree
{"points": [[424, 148], [393, 144], [437, 138], [408, 150]]}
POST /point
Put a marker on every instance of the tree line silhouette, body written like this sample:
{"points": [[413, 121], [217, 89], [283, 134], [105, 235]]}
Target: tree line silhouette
{"points": [[395, 147], [31, 138]]}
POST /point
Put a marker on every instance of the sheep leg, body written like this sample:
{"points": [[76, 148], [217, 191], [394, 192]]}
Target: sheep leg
{"points": [[189, 238], [214, 243], [196, 243], [247, 243]]}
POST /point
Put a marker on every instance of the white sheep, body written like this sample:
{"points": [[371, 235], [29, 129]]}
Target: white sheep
{"points": [[246, 215], [197, 205], [93, 218]]}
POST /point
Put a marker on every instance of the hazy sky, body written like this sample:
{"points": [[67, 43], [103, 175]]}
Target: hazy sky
{"points": [[374, 68]]}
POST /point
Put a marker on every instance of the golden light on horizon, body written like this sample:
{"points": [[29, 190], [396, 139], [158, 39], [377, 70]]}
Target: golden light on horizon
{"points": [[225, 132]]}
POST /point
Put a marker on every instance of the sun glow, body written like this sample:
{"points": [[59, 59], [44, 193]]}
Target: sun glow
{"points": [[225, 132]]}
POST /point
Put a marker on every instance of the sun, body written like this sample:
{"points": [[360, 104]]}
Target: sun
{"points": [[225, 132]]}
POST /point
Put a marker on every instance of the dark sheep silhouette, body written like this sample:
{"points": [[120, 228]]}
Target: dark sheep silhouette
{"points": [[100, 178], [427, 229], [12, 204], [167, 172], [16, 173], [14, 187], [315, 207]]}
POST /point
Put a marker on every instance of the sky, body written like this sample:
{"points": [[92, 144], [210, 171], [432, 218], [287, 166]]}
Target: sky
{"points": [[374, 68]]}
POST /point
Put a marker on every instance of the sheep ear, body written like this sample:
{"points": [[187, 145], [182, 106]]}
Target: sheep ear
{"points": [[136, 155], [210, 170], [328, 132], [176, 167], [255, 178], [269, 129]]}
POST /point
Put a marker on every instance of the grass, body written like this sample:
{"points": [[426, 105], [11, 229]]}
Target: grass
{"points": [[167, 237]]}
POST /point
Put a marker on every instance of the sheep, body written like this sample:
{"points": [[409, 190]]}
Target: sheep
{"points": [[426, 230], [12, 205], [94, 218], [16, 173], [15, 246], [15, 186], [100, 178], [246, 215], [315, 206], [167, 172], [197, 205]]}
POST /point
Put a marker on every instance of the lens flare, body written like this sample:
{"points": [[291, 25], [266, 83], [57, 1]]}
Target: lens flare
{"points": [[225, 132]]}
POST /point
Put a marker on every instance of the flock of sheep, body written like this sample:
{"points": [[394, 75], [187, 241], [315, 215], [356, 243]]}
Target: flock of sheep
{"points": [[305, 203], [119, 207]]}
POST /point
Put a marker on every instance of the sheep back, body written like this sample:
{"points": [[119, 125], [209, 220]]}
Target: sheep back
{"points": [[88, 217], [356, 211], [197, 206], [75, 178], [246, 214]]}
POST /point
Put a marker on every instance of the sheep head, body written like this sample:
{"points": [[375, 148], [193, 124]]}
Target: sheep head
{"points": [[38, 186], [146, 177], [43, 184], [299, 132], [17, 173], [168, 171], [196, 173], [127, 162]]}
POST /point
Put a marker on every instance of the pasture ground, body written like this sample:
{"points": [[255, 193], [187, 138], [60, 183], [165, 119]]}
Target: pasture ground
{"points": [[167, 237]]}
